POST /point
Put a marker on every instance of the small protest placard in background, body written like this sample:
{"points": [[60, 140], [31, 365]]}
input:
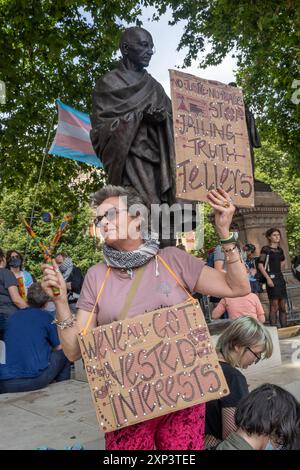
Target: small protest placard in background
{"points": [[150, 365], [211, 139]]}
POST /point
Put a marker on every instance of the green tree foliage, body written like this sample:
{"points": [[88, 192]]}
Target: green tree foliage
{"points": [[51, 49], [210, 238], [54, 49], [265, 37]]}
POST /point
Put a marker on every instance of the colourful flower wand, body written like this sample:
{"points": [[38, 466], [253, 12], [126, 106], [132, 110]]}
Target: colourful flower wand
{"points": [[47, 251]]}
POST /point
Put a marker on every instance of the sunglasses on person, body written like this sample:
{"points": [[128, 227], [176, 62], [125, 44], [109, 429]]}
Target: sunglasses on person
{"points": [[110, 215], [258, 357]]}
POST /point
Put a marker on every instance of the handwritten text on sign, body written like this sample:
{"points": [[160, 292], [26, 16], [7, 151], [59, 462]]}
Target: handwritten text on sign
{"points": [[150, 365], [211, 139]]}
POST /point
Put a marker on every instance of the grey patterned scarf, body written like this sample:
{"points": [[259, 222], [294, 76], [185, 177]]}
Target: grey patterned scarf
{"points": [[130, 259]]}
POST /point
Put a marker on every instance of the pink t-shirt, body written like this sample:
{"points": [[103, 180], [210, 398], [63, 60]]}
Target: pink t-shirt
{"points": [[154, 291], [248, 305]]}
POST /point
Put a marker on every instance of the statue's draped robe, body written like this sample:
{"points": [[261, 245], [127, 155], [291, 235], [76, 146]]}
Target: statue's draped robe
{"points": [[133, 151]]}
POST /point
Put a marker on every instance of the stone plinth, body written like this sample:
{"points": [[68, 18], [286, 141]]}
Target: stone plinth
{"points": [[80, 373]]}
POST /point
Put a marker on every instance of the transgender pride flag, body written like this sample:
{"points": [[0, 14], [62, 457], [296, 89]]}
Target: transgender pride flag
{"points": [[72, 139]]}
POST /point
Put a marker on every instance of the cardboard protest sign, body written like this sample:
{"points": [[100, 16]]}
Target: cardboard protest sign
{"points": [[211, 139], [150, 365]]}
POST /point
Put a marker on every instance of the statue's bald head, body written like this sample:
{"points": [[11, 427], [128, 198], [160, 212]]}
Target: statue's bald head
{"points": [[130, 34], [136, 46]]}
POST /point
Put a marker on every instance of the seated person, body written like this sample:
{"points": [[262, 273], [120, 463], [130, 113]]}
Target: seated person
{"points": [[10, 299], [246, 306], [268, 418], [244, 342], [14, 261], [250, 262], [34, 357]]}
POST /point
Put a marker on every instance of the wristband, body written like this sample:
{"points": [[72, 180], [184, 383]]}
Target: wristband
{"points": [[67, 323], [229, 250], [231, 239]]}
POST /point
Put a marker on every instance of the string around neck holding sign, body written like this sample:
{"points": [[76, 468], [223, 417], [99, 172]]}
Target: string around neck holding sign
{"points": [[189, 298]]}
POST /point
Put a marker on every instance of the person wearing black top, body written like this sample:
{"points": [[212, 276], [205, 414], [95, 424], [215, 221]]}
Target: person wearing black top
{"points": [[73, 277], [270, 264], [10, 299], [244, 342], [258, 422]]}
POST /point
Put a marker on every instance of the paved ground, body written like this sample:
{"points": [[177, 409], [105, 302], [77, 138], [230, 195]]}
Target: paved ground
{"points": [[57, 416], [63, 414]]}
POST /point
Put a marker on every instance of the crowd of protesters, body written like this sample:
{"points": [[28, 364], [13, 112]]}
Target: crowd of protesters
{"points": [[31, 356], [264, 274], [35, 357], [244, 342]]}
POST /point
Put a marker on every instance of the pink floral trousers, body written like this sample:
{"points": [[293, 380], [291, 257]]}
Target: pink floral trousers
{"points": [[181, 430]]}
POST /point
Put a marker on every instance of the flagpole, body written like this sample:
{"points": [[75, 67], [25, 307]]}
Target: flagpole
{"points": [[41, 170], [40, 176]]}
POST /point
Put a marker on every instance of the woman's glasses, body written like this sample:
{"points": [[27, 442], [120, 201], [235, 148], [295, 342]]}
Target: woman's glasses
{"points": [[110, 215], [258, 357]]}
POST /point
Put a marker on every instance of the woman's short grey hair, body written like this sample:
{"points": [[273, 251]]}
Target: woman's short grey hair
{"points": [[135, 203], [108, 191], [245, 332]]}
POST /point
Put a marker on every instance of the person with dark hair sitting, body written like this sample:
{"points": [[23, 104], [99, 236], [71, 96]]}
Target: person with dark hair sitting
{"points": [[266, 419], [34, 357], [14, 261], [244, 342], [10, 299]]}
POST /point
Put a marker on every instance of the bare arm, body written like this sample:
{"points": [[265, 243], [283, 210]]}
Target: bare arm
{"points": [[219, 310], [16, 298], [265, 274], [68, 336], [233, 283], [261, 318], [260, 311]]}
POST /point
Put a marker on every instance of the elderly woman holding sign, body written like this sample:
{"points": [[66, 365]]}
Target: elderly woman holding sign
{"points": [[138, 277]]}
